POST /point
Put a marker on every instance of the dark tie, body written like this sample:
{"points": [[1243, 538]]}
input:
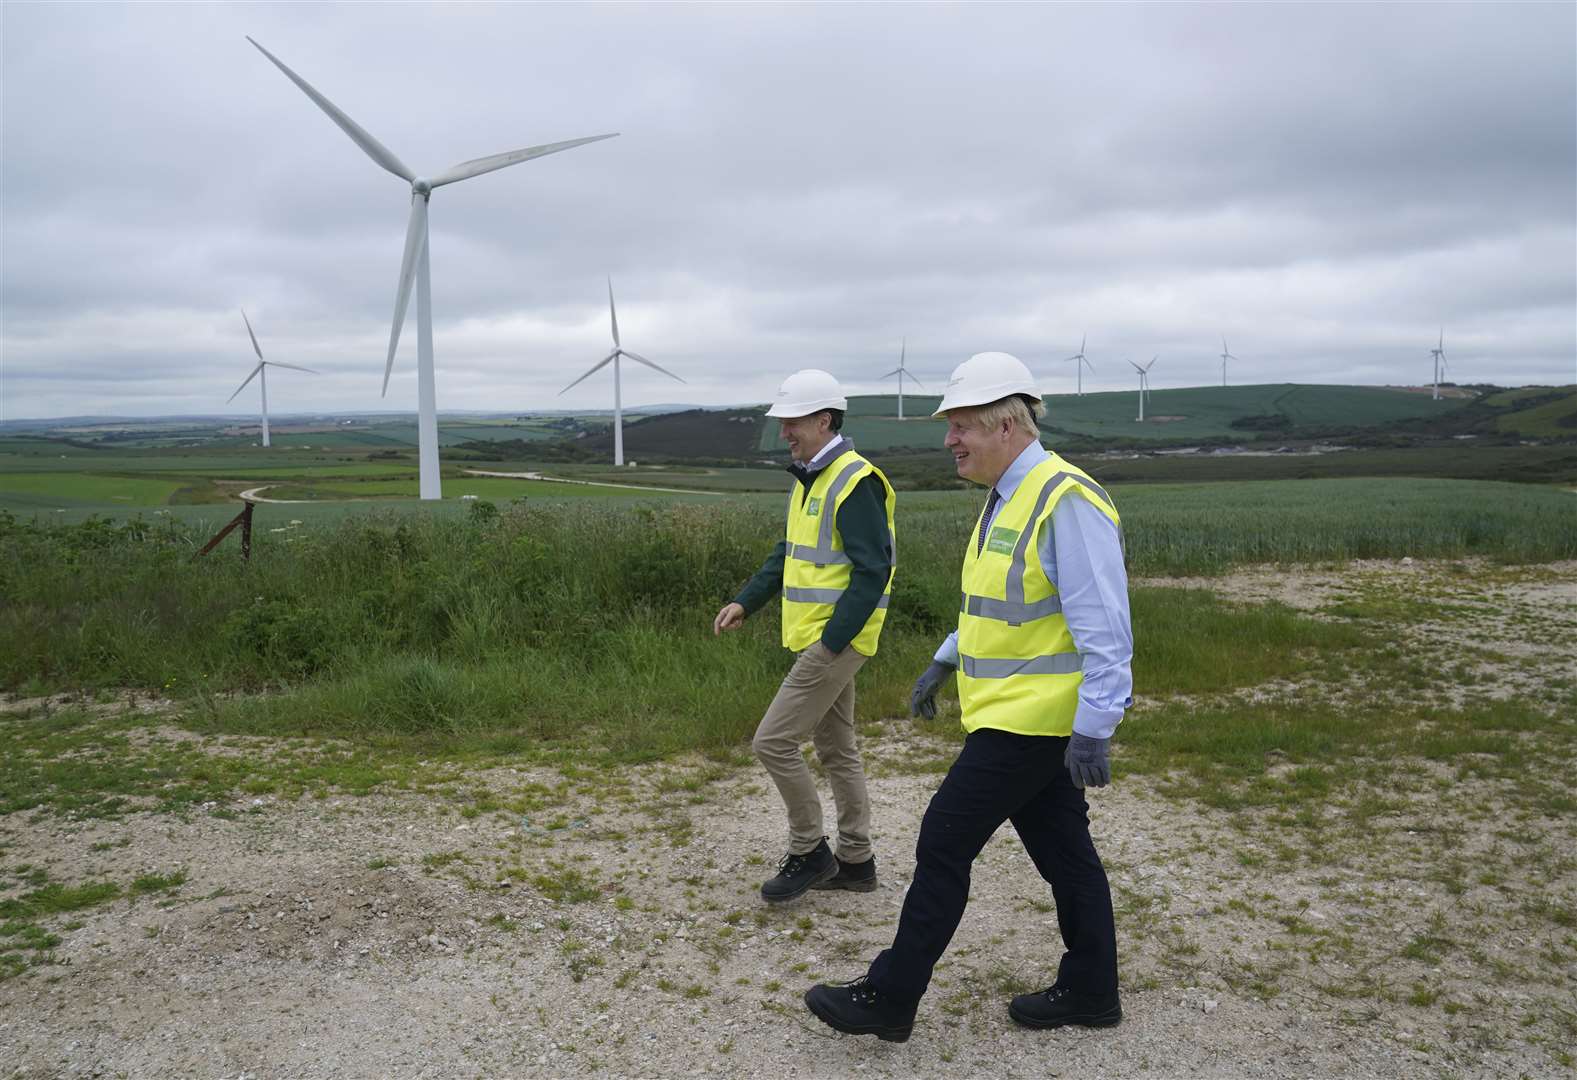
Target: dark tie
{"points": [[985, 519]]}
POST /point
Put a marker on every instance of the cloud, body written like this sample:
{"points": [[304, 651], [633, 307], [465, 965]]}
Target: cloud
{"points": [[793, 184]]}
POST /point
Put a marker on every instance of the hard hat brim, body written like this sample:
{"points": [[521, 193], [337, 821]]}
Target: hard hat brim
{"points": [[983, 396], [803, 408]]}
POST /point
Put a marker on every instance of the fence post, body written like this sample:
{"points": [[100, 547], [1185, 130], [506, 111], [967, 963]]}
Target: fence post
{"points": [[243, 519]]}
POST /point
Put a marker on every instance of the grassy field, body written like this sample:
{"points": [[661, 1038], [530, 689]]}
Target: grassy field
{"points": [[1194, 413], [1553, 419], [339, 593]]}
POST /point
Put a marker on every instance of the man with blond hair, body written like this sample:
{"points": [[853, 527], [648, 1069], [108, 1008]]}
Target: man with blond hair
{"points": [[1043, 652]]}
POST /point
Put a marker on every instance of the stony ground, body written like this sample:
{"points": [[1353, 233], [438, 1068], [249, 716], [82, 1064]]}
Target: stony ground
{"points": [[614, 926]]}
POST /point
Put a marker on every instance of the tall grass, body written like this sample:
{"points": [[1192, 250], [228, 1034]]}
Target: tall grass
{"points": [[589, 625]]}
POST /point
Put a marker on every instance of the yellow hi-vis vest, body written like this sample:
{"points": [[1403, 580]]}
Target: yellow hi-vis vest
{"points": [[1018, 669], [816, 570]]}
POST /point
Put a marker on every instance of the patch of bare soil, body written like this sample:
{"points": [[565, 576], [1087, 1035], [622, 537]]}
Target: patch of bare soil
{"points": [[1500, 631]]}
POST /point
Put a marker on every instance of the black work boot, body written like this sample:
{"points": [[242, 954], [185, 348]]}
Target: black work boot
{"points": [[858, 1008], [1058, 1007], [798, 873], [854, 876]]}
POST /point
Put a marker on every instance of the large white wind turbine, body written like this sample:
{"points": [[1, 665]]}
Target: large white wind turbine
{"points": [[261, 374], [901, 372], [613, 357], [1082, 363], [414, 265], [1439, 353], [1226, 354], [1144, 382]]}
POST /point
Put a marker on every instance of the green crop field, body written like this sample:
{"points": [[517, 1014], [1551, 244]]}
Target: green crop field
{"points": [[1552, 419], [47, 491], [486, 487]]}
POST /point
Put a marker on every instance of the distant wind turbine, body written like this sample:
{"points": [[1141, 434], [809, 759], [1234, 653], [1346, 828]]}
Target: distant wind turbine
{"points": [[1144, 382], [1082, 363], [414, 267], [901, 371], [1226, 354], [261, 374], [613, 357], [1439, 353]]}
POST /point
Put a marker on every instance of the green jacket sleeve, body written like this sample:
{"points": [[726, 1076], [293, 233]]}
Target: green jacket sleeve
{"points": [[862, 525], [767, 582]]}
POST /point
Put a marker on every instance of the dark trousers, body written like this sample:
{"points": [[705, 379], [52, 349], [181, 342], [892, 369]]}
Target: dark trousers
{"points": [[1001, 776]]}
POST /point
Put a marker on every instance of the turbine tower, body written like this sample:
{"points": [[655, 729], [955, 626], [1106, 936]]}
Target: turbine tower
{"points": [[1144, 382], [1226, 354], [414, 266], [1439, 353], [613, 357], [901, 371], [1082, 363], [261, 374]]}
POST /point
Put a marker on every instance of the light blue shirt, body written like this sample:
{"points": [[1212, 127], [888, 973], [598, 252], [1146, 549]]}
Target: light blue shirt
{"points": [[1083, 556]]}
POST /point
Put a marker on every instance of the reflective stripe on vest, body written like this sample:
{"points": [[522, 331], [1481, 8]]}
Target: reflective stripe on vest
{"points": [[1056, 664], [822, 596]]}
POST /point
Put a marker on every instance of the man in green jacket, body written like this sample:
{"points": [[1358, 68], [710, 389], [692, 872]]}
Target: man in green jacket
{"points": [[834, 568]]}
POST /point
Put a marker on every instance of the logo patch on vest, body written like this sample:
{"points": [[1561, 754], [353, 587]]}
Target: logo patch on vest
{"points": [[813, 507], [1002, 540]]}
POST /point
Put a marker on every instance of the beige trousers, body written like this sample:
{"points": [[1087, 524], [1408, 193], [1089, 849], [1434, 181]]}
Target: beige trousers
{"points": [[816, 702]]}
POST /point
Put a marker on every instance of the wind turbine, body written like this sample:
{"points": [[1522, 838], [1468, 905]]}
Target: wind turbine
{"points": [[414, 267], [1144, 382], [613, 357], [1082, 363], [1439, 353], [260, 370], [1226, 354], [901, 371]]}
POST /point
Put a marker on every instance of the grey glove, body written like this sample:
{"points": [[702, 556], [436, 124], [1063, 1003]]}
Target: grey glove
{"points": [[922, 701], [1087, 762]]}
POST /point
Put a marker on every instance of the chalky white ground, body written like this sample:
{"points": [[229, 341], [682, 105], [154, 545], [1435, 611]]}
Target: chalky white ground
{"points": [[311, 964]]}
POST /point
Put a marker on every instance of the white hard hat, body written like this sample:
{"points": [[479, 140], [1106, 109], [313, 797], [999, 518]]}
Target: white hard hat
{"points": [[806, 392], [984, 378]]}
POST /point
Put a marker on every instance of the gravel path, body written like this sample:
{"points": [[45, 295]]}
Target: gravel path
{"points": [[615, 929]]}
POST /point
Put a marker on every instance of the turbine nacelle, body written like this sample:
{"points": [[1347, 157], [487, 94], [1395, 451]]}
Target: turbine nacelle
{"points": [[422, 186]]}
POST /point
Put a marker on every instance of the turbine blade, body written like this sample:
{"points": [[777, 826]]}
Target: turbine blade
{"points": [[372, 147], [1082, 339], [604, 362], [903, 351], [250, 334], [613, 315], [292, 367], [248, 379], [415, 239], [477, 166], [1075, 356], [896, 371], [916, 381], [648, 363]]}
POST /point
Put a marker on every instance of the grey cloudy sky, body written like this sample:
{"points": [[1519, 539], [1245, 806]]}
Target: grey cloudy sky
{"points": [[795, 185]]}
